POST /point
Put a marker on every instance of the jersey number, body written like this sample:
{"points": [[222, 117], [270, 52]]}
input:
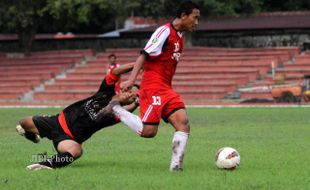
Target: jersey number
{"points": [[156, 100]]}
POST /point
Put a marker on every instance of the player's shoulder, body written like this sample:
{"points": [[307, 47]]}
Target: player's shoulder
{"points": [[163, 29]]}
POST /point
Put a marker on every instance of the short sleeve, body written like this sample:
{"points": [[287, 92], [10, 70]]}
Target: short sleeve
{"points": [[156, 42]]}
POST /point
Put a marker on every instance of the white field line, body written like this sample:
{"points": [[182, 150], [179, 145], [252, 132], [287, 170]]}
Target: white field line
{"points": [[249, 105], [188, 106]]}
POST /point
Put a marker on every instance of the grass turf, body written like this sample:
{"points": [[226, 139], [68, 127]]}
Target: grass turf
{"points": [[273, 144]]}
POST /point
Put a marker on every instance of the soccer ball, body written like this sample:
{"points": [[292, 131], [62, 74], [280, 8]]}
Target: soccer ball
{"points": [[227, 158]]}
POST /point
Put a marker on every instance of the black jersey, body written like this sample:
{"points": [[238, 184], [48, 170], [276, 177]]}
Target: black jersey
{"points": [[81, 117]]}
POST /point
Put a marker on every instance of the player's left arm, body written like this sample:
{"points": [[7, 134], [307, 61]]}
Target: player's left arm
{"points": [[114, 75]]}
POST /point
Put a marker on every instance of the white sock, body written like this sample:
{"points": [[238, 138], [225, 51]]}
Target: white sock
{"points": [[132, 121], [178, 149]]}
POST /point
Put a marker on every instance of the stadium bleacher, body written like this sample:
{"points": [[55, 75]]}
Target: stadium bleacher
{"points": [[203, 74], [20, 74]]}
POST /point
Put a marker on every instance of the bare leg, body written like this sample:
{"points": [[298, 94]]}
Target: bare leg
{"points": [[149, 131], [68, 151], [28, 129], [74, 148], [28, 125]]}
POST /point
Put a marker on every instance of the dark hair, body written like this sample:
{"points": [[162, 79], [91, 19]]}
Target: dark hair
{"points": [[137, 86], [187, 8], [112, 55]]}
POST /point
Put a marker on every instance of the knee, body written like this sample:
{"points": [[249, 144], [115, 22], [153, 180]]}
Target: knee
{"points": [[79, 154], [183, 125], [25, 122], [148, 133], [185, 122], [76, 152]]}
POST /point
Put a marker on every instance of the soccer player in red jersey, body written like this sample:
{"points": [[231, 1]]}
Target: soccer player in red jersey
{"points": [[112, 65], [112, 62], [159, 59]]}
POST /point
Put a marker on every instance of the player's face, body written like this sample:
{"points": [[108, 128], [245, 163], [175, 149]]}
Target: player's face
{"points": [[112, 60], [129, 96], [190, 21]]}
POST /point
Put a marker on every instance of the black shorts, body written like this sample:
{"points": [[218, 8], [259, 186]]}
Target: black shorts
{"points": [[49, 127]]}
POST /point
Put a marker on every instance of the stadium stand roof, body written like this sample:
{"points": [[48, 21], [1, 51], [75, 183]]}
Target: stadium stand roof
{"points": [[277, 20], [262, 21], [48, 36], [115, 33]]}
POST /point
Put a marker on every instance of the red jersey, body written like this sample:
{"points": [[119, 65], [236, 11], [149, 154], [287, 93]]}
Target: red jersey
{"points": [[118, 83], [163, 52]]}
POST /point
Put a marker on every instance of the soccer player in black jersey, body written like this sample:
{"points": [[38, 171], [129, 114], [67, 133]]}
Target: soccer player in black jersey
{"points": [[77, 122]]}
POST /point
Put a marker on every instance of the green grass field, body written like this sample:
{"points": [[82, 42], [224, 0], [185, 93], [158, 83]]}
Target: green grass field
{"points": [[273, 144]]}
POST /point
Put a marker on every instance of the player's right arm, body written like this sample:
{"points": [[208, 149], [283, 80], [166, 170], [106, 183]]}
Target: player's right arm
{"points": [[153, 48], [133, 76]]}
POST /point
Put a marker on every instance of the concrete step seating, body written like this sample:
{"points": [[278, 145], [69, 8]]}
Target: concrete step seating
{"points": [[177, 85], [64, 53], [19, 74], [203, 74], [206, 58], [256, 95], [262, 67], [305, 58], [36, 61], [293, 72]]}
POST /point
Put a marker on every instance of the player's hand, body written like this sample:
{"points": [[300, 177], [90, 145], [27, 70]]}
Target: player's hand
{"points": [[127, 85]]}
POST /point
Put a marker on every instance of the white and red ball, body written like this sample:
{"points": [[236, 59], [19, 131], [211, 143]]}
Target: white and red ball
{"points": [[227, 158]]}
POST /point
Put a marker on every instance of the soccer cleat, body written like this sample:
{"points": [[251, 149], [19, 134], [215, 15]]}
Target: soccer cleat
{"points": [[176, 169], [21, 131], [36, 167]]}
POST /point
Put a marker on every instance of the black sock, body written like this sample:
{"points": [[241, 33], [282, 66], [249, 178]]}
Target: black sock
{"points": [[59, 160], [30, 136]]}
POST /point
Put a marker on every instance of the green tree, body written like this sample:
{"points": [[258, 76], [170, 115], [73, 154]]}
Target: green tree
{"points": [[288, 5], [150, 8], [229, 7], [122, 9], [25, 17], [157, 8], [22, 17], [81, 16]]}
